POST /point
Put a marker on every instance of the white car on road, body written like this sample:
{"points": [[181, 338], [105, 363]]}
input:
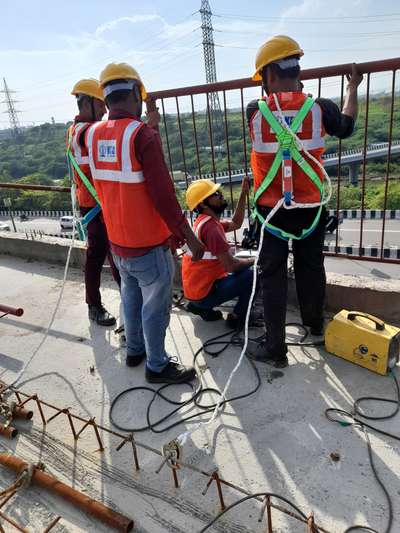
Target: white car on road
{"points": [[4, 227], [66, 222]]}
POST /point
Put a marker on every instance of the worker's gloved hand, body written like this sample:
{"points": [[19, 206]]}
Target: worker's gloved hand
{"points": [[152, 114], [355, 78], [196, 247]]}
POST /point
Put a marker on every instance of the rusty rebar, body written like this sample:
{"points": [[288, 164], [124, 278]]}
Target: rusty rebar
{"points": [[13, 522], [19, 394], [92, 507], [53, 523]]}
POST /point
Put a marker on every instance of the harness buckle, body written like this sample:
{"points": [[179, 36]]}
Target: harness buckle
{"points": [[287, 177]]}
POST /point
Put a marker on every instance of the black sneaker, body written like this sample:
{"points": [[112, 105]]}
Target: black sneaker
{"points": [[172, 373], [100, 315], [261, 354], [208, 315], [135, 360]]}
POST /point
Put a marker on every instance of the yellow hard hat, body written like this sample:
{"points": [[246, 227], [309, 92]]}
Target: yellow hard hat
{"points": [[276, 48], [199, 190], [90, 87], [121, 71]]}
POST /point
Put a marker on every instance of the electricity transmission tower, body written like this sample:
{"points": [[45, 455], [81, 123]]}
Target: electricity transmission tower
{"points": [[211, 71], [12, 112]]}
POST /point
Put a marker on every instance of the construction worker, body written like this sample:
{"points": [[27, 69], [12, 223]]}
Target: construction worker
{"points": [[90, 101], [141, 213], [219, 276], [284, 172]]}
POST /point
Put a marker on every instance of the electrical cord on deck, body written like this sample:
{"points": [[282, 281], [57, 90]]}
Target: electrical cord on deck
{"points": [[352, 419], [212, 347], [250, 497]]}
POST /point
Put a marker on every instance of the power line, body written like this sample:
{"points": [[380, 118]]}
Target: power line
{"points": [[354, 19]]}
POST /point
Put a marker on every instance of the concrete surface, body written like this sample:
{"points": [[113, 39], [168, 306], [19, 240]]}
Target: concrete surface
{"points": [[277, 440]]}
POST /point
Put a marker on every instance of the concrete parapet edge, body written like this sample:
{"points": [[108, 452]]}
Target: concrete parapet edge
{"points": [[46, 249], [371, 295], [360, 293]]}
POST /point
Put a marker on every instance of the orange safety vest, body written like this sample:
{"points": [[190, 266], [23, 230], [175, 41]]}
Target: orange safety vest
{"points": [[265, 146], [129, 213], [85, 199], [198, 277]]}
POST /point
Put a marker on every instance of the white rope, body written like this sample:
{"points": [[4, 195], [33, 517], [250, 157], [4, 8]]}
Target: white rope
{"points": [[182, 438], [60, 295]]}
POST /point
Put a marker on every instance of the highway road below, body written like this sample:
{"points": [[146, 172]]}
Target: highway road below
{"points": [[349, 230]]}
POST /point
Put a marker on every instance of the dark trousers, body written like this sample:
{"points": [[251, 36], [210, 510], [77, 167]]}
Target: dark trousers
{"points": [[236, 285], [97, 251], [309, 272]]}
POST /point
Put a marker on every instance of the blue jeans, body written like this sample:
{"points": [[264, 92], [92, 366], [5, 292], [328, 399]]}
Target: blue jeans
{"points": [[146, 293], [235, 285]]}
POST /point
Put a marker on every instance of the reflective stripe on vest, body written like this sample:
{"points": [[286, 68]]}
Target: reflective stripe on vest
{"points": [[198, 277], [79, 153], [316, 140], [126, 174], [129, 211], [265, 147], [76, 149]]}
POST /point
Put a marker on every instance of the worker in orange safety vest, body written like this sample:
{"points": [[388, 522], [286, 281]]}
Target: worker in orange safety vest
{"points": [[90, 101], [141, 213], [287, 129]]}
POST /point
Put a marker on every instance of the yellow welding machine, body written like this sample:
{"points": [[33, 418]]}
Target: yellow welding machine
{"points": [[364, 340]]}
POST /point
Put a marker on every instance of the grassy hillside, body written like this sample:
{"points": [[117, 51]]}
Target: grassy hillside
{"points": [[39, 157]]}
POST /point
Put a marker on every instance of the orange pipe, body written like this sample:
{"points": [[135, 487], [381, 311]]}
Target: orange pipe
{"points": [[9, 432], [21, 412], [115, 520], [11, 310]]}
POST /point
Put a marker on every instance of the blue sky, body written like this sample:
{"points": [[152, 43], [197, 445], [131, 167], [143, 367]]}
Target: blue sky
{"points": [[45, 46]]}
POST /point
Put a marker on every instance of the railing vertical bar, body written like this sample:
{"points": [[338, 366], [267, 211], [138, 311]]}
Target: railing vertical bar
{"points": [[182, 148], [167, 138], [228, 154], [339, 176], [246, 168], [319, 87], [388, 161], [210, 129], [195, 135], [364, 163]]}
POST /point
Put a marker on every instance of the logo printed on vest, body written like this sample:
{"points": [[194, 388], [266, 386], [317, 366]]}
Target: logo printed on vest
{"points": [[289, 116], [107, 151]]}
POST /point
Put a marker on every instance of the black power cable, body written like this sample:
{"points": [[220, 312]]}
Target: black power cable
{"points": [[212, 347], [352, 419]]}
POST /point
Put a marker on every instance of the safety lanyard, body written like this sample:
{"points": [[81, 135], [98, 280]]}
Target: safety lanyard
{"points": [[286, 153], [84, 221]]}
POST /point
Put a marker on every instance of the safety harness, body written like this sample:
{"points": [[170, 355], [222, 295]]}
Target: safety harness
{"points": [[84, 221], [287, 152]]}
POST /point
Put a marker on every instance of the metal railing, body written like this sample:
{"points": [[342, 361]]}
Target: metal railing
{"points": [[186, 121]]}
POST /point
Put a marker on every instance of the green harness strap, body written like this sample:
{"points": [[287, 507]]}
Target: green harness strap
{"points": [[287, 142], [82, 224], [81, 174]]}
